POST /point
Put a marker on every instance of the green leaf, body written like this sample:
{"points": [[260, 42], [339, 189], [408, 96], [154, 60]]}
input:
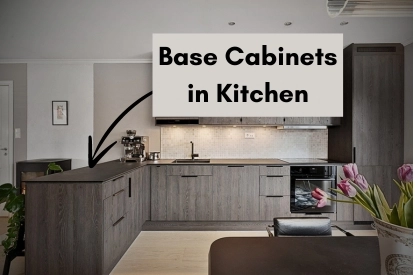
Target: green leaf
{"points": [[408, 213], [15, 203], [383, 200], [379, 205], [394, 218], [366, 199]]}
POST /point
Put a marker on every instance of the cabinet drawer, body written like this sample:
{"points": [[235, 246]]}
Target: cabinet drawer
{"points": [[274, 185], [274, 170], [116, 242], [113, 186], [189, 170], [114, 208], [271, 207]]}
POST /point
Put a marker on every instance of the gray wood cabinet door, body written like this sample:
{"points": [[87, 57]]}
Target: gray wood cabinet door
{"points": [[189, 198], [262, 121], [328, 121], [146, 179], [158, 193], [378, 109], [274, 206], [236, 193], [136, 197], [220, 120]]}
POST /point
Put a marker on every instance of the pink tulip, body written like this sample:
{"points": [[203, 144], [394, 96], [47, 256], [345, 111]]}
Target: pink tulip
{"points": [[350, 171], [405, 173], [322, 202], [319, 195], [361, 182], [347, 189]]}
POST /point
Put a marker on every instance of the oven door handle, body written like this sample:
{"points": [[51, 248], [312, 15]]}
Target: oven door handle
{"points": [[317, 179]]}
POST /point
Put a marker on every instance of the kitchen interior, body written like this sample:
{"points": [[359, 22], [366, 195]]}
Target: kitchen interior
{"points": [[170, 187]]}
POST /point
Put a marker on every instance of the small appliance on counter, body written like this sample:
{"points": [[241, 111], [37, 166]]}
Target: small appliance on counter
{"points": [[153, 156], [134, 146]]}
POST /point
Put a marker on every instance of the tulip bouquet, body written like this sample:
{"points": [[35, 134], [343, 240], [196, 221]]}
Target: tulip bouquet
{"points": [[356, 188]]}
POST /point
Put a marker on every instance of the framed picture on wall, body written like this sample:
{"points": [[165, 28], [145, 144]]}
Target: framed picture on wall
{"points": [[59, 112]]}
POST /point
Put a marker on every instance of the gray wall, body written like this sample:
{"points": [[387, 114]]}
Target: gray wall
{"points": [[18, 74], [408, 107], [117, 86]]}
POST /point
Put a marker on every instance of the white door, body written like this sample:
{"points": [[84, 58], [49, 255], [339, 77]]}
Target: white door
{"points": [[6, 135]]}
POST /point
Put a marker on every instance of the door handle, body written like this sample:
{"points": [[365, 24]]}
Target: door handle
{"points": [[4, 149]]}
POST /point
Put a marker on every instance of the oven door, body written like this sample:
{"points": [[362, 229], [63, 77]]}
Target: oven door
{"points": [[303, 202]]}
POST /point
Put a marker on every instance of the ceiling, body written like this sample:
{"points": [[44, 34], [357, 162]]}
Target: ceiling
{"points": [[110, 29]]}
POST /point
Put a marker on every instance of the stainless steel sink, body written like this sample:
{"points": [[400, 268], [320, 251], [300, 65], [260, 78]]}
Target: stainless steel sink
{"points": [[191, 161]]}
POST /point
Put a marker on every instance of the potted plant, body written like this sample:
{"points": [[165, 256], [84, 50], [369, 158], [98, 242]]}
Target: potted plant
{"points": [[393, 224]]}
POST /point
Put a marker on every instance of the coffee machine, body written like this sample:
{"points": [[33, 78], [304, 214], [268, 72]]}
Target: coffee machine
{"points": [[134, 146]]}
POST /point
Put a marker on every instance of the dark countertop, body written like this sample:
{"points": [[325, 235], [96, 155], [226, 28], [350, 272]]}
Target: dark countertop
{"points": [[113, 169]]}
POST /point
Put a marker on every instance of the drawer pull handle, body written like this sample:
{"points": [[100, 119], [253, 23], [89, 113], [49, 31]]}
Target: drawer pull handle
{"points": [[274, 176], [236, 166], [129, 187], [118, 221], [274, 196], [189, 176], [274, 166], [122, 190], [118, 178]]}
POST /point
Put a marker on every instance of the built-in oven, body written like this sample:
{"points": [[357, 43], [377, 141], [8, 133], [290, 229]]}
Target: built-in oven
{"points": [[305, 179]]}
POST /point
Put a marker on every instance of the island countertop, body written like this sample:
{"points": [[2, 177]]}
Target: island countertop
{"points": [[113, 169]]}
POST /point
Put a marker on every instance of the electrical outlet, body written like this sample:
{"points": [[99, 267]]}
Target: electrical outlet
{"points": [[17, 133], [249, 135]]}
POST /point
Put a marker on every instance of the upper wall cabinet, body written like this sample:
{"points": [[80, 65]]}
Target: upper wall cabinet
{"points": [[220, 120], [325, 121], [328, 121], [262, 120]]}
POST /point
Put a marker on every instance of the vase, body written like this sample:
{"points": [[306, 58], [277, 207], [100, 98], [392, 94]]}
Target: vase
{"points": [[396, 248]]}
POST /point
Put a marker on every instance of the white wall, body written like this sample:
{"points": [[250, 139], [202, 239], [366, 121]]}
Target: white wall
{"points": [[408, 107], [117, 86], [48, 82]]}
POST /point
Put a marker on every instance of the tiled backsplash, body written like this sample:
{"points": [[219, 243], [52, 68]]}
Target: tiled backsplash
{"points": [[230, 142]]}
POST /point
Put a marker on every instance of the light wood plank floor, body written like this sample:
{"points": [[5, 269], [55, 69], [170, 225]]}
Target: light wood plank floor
{"points": [[181, 252]]}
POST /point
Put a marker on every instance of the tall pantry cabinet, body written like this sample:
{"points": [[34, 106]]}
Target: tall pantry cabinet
{"points": [[371, 132]]}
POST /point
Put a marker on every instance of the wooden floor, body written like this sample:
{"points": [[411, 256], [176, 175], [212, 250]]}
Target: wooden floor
{"points": [[181, 252], [177, 251]]}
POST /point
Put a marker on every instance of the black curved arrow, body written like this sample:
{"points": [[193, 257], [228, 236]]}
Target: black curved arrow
{"points": [[91, 161]]}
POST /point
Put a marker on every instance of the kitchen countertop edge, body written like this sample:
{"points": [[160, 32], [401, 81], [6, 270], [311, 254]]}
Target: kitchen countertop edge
{"points": [[112, 169]]}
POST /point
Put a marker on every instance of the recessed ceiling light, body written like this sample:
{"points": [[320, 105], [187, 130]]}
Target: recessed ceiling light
{"points": [[288, 23], [231, 23], [344, 23]]}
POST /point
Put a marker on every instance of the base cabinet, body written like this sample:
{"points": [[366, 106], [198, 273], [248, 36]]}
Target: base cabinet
{"points": [[236, 193], [189, 198], [274, 206], [93, 224]]}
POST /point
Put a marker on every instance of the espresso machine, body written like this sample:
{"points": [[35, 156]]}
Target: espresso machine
{"points": [[134, 146]]}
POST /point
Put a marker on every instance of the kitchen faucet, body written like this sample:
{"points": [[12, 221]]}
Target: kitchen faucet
{"points": [[193, 154]]}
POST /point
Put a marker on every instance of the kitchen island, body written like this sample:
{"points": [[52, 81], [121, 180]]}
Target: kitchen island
{"points": [[82, 221]]}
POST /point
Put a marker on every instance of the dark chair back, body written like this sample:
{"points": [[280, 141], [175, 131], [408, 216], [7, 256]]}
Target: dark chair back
{"points": [[302, 226]]}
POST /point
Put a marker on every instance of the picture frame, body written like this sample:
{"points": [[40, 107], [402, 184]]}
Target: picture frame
{"points": [[59, 112]]}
